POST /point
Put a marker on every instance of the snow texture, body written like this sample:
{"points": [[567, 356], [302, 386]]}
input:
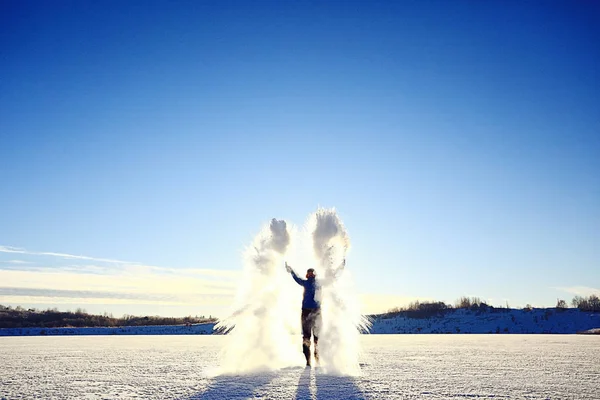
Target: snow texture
{"points": [[531, 367]]}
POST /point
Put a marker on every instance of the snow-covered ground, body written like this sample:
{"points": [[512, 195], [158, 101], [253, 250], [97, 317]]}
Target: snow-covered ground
{"points": [[392, 367], [538, 320], [592, 332]]}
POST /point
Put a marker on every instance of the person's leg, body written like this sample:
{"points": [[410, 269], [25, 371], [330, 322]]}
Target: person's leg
{"points": [[306, 333], [318, 323]]}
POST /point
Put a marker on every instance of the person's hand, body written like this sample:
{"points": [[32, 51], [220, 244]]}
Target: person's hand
{"points": [[287, 267]]}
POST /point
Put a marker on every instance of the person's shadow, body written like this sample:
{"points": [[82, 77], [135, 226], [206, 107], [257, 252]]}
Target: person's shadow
{"points": [[303, 390], [328, 387], [234, 387]]}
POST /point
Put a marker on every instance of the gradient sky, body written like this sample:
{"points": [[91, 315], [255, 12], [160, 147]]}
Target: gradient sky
{"points": [[143, 144]]}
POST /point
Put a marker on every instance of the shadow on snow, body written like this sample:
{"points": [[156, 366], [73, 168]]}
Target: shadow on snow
{"points": [[234, 387], [327, 387]]}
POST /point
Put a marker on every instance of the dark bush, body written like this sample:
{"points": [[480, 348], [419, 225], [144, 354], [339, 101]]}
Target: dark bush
{"points": [[473, 303], [52, 318], [591, 303], [561, 304], [418, 309]]}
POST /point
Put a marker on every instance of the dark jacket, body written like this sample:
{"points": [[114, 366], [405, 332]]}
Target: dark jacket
{"points": [[311, 287]]}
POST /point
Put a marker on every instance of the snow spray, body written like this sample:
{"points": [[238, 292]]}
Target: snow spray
{"points": [[259, 329], [264, 327], [339, 339]]}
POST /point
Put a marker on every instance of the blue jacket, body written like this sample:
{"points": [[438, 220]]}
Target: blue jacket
{"points": [[310, 290]]}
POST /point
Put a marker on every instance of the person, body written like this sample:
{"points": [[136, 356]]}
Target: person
{"points": [[311, 319]]}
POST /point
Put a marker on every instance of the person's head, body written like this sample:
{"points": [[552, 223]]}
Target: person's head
{"points": [[310, 273]]}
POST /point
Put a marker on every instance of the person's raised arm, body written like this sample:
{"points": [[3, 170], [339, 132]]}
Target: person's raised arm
{"points": [[298, 280]]}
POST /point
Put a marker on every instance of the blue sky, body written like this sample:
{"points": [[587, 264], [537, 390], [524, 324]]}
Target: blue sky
{"points": [[459, 142]]}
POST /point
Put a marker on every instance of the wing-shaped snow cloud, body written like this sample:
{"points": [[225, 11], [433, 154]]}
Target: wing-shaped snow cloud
{"points": [[265, 318]]}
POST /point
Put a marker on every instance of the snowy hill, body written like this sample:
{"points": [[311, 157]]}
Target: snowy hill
{"points": [[196, 329], [492, 320]]}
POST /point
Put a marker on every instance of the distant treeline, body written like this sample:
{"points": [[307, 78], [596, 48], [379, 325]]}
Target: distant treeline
{"points": [[591, 303], [424, 309], [19, 317]]}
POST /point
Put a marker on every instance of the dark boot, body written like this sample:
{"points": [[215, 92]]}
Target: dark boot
{"points": [[316, 352]]}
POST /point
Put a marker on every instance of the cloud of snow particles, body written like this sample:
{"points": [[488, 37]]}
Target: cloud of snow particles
{"points": [[259, 326], [264, 327], [339, 341]]}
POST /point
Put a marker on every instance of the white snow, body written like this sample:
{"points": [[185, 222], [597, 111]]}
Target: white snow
{"points": [[391, 367], [592, 332]]}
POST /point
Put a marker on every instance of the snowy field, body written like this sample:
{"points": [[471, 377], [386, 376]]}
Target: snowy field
{"points": [[392, 367]]}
